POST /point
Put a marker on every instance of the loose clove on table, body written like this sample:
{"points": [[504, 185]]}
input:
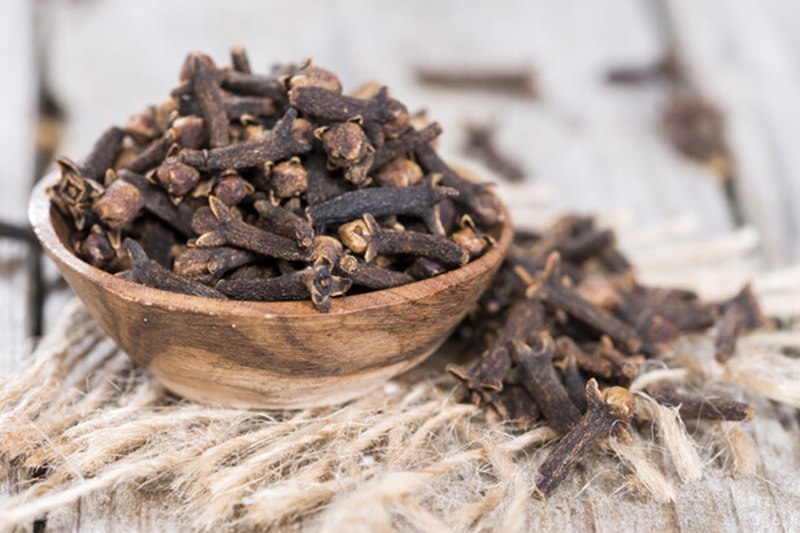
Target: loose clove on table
{"points": [[568, 329]]}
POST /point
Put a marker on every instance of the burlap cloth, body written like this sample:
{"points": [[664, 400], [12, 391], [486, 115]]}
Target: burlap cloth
{"points": [[79, 418]]}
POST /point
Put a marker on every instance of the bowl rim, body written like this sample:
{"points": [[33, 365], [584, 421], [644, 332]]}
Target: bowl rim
{"points": [[39, 214]]}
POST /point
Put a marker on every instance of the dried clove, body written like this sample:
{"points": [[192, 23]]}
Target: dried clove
{"points": [[239, 60], [283, 222], [235, 232], [696, 129], [245, 83], [314, 76], [553, 292], [418, 201], [591, 364], [177, 178], [329, 105], [693, 407], [248, 107], [518, 406], [521, 82], [480, 142], [347, 147], [119, 204], [289, 137], [400, 172], [96, 248], [209, 96], [157, 202], [542, 382], [424, 268], [189, 132], [245, 177], [393, 242], [314, 282], [523, 320], [572, 379], [607, 412], [232, 188], [406, 143], [483, 205], [321, 185], [740, 315], [148, 272], [151, 156], [103, 154], [288, 178], [371, 276]]}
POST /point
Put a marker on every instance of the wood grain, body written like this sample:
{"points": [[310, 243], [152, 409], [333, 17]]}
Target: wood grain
{"points": [[17, 114], [274, 355]]}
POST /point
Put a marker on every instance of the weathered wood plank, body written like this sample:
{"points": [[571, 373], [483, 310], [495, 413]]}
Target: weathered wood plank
{"points": [[744, 56], [17, 113]]}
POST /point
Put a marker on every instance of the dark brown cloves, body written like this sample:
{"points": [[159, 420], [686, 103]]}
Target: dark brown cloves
{"points": [[694, 407], [390, 242], [607, 411], [235, 232], [417, 201], [283, 222], [148, 272], [286, 139], [552, 291], [740, 315], [543, 383]]}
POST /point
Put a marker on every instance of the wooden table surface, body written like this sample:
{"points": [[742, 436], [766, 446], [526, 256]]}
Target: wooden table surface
{"points": [[586, 145]]}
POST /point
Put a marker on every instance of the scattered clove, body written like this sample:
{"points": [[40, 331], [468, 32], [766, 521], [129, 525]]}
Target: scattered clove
{"points": [[543, 383], [693, 407], [480, 143], [553, 292], [22, 233], [740, 315], [607, 412], [519, 82], [605, 325]]}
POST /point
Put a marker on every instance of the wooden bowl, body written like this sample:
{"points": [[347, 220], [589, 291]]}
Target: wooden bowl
{"points": [[273, 355]]}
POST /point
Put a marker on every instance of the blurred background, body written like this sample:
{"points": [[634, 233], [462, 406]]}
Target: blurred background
{"points": [[669, 119]]}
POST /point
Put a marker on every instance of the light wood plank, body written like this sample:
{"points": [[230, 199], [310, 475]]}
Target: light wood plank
{"points": [[17, 114], [744, 56]]}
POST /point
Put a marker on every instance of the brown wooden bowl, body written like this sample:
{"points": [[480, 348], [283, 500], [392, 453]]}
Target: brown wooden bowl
{"points": [[271, 355]]}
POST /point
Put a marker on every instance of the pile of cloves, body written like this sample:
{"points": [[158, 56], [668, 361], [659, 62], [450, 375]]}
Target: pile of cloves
{"points": [[272, 187], [566, 328]]}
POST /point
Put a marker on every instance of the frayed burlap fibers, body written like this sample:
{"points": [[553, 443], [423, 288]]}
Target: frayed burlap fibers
{"points": [[87, 437]]}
